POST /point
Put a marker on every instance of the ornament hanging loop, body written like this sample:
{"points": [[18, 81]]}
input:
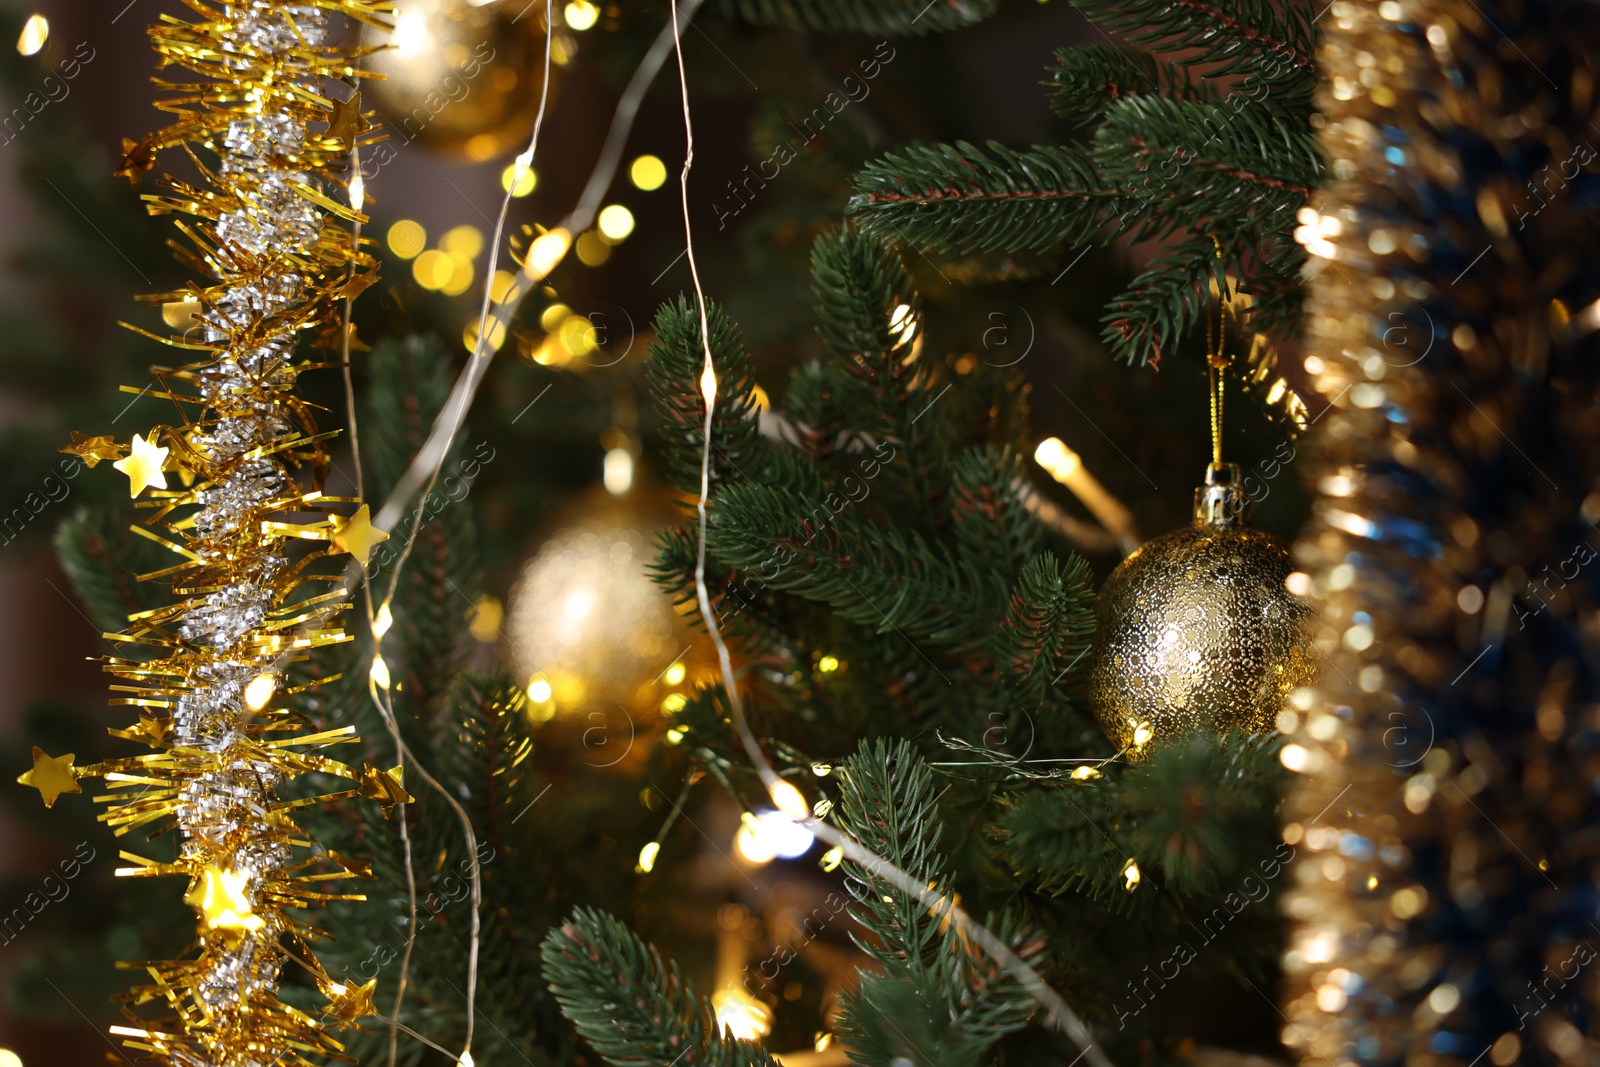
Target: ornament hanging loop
{"points": [[1221, 501]]}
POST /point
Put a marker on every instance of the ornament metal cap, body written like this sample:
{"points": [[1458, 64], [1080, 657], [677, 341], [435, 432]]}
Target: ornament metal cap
{"points": [[1222, 501]]}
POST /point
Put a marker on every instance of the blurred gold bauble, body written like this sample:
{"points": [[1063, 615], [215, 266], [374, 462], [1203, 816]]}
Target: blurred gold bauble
{"points": [[1196, 629], [460, 78], [597, 642]]}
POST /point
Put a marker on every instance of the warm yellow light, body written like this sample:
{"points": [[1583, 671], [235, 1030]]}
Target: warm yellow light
{"points": [[379, 673], [539, 690], [497, 334], [461, 274], [1054, 456], [1084, 773], [592, 249], [676, 735], [466, 1060], [828, 664], [673, 703], [9, 1058], [502, 287], [463, 240], [615, 222], [617, 471], [577, 335], [647, 173], [382, 621], [708, 385], [903, 323], [358, 191], [822, 1042], [34, 34], [519, 182], [789, 800], [259, 691], [1141, 734], [741, 1014], [1130, 876], [675, 674], [581, 15], [432, 269], [553, 316], [831, 859], [487, 614], [407, 238], [410, 36], [762, 401], [546, 252], [647, 857]]}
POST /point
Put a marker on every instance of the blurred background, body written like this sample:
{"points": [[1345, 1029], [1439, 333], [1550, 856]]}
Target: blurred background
{"points": [[563, 485]]}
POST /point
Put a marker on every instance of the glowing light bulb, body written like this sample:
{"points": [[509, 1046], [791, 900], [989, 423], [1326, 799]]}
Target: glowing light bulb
{"points": [[828, 664], [382, 621], [769, 835], [34, 34], [647, 857], [466, 1060], [259, 691], [546, 252], [708, 384], [518, 180], [581, 15], [358, 191], [1130, 876], [9, 1058], [831, 859], [789, 800], [539, 690], [617, 472], [741, 1014], [675, 674], [379, 673], [1141, 734]]}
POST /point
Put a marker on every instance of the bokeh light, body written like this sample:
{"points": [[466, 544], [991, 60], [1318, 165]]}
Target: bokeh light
{"points": [[432, 269], [407, 238], [525, 182], [34, 34], [648, 173], [463, 241], [581, 15], [615, 222], [592, 249]]}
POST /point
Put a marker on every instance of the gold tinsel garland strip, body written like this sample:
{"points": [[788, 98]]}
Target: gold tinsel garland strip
{"points": [[1445, 820], [266, 230]]}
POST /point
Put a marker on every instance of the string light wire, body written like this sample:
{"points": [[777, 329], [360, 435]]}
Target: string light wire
{"points": [[785, 796]]}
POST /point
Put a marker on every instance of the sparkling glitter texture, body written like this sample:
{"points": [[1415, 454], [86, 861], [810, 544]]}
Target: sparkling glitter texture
{"points": [[1445, 818], [1196, 630], [234, 491]]}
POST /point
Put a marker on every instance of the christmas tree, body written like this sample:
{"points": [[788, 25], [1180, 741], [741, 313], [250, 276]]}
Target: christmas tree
{"points": [[911, 617]]}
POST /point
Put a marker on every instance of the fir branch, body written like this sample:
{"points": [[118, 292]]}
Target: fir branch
{"points": [[956, 198], [1087, 79], [988, 517], [1201, 166], [816, 546], [1048, 627], [676, 361], [1169, 296], [909, 17], [867, 314], [633, 1008], [942, 1004], [1270, 40]]}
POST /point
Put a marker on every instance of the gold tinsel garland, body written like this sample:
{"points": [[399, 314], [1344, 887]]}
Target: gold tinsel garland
{"points": [[208, 674], [1446, 819]]}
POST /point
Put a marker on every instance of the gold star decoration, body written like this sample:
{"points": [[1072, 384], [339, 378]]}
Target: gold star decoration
{"points": [[348, 1003], [92, 449], [51, 776], [384, 787], [152, 728], [137, 158], [221, 897], [346, 122], [143, 465], [356, 535]]}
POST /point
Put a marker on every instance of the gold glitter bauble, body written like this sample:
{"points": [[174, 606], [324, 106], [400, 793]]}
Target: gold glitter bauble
{"points": [[1196, 629], [594, 639], [460, 79]]}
